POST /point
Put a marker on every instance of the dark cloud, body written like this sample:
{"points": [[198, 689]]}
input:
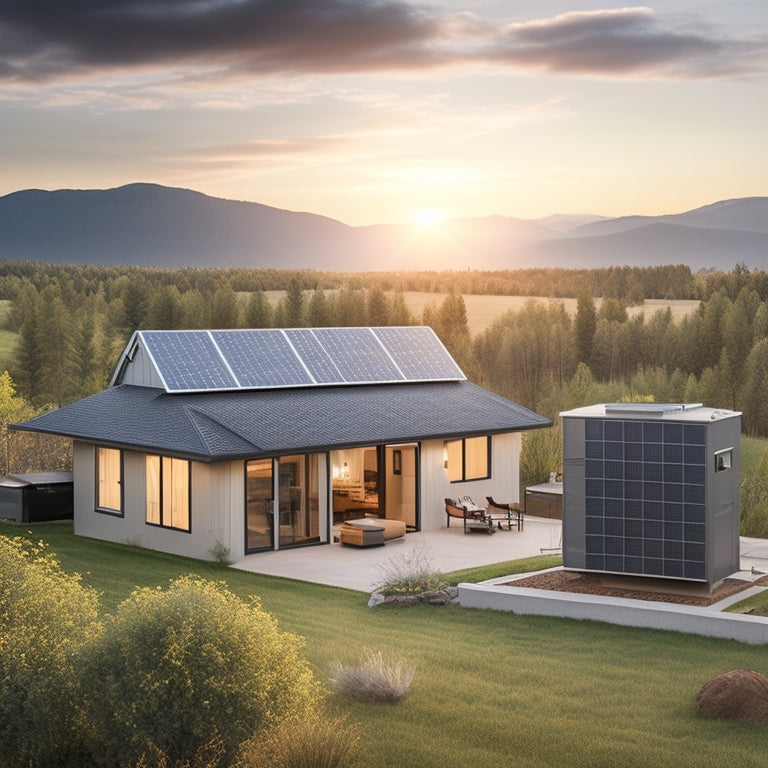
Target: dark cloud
{"points": [[41, 40], [626, 41]]}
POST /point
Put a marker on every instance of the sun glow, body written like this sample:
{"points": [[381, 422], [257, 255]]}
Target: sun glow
{"points": [[427, 218]]}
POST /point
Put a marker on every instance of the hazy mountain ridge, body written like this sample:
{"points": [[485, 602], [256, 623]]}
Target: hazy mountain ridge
{"points": [[148, 224]]}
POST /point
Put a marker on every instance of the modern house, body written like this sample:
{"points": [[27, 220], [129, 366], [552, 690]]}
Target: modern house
{"points": [[265, 439], [652, 490]]}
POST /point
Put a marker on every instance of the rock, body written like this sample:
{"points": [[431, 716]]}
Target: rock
{"points": [[736, 695], [375, 599]]}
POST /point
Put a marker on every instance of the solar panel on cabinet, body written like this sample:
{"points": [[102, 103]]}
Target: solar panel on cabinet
{"points": [[261, 358], [419, 353], [188, 361]]}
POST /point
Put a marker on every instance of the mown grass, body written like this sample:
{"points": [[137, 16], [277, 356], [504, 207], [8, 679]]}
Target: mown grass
{"points": [[491, 690]]}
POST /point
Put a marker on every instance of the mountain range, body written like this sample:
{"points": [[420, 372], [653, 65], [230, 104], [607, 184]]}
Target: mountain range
{"points": [[151, 225]]}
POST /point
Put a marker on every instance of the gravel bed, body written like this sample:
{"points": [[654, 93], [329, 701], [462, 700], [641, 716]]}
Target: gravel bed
{"points": [[592, 584]]}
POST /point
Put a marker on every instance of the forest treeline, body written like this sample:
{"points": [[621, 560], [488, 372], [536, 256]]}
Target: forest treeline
{"points": [[72, 322]]}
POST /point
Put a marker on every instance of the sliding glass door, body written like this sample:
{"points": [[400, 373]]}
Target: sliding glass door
{"points": [[259, 504], [299, 499]]}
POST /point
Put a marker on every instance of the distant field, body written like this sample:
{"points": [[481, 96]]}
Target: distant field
{"points": [[483, 310]]}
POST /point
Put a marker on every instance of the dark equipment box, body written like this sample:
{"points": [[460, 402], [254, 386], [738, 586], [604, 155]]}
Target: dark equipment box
{"points": [[37, 497]]}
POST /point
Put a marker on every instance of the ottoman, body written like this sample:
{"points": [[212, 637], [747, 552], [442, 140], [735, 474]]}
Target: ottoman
{"points": [[362, 533]]}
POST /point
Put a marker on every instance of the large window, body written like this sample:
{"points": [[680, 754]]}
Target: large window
{"points": [[167, 482], [468, 459], [109, 480]]}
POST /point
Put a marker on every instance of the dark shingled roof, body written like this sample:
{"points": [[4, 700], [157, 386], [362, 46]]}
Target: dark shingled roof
{"points": [[232, 425]]}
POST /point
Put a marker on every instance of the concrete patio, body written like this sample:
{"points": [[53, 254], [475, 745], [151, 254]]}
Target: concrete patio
{"points": [[448, 549]]}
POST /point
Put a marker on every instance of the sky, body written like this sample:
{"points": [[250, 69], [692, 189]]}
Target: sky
{"points": [[374, 111]]}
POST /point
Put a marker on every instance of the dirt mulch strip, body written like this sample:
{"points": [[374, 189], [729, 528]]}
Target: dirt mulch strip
{"points": [[592, 584]]}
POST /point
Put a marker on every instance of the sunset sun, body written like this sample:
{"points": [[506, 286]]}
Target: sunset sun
{"points": [[427, 218]]}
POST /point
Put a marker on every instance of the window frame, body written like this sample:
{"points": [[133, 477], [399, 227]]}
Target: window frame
{"points": [[463, 478], [117, 512], [727, 460], [165, 516]]}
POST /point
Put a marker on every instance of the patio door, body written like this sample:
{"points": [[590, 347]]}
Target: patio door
{"points": [[402, 483], [259, 505], [298, 499]]}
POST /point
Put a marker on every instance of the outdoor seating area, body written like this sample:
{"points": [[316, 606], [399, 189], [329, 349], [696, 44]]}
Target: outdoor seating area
{"points": [[496, 516]]}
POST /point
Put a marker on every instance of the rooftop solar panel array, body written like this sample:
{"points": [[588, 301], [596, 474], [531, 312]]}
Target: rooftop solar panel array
{"points": [[204, 361]]}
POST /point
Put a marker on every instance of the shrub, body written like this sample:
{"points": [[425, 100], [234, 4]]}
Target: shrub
{"points": [[183, 667], [307, 743], [220, 553], [409, 573], [45, 614], [374, 680]]}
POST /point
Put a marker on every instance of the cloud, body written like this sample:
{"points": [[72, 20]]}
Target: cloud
{"points": [[46, 40], [625, 42]]}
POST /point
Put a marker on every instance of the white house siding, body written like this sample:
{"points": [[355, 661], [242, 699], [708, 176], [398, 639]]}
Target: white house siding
{"points": [[142, 372], [503, 485], [216, 502]]}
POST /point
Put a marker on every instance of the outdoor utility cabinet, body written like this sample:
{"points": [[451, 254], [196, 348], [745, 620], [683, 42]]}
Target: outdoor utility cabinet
{"points": [[651, 490], [37, 497]]}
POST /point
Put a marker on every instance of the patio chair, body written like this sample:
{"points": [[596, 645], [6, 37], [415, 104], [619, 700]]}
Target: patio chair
{"points": [[472, 515], [512, 512]]}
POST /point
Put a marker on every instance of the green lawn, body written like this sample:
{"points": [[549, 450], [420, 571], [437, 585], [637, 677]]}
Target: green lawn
{"points": [[491, 689]]}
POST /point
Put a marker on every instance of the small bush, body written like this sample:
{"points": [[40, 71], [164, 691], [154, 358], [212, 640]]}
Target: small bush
{"points": [[220, 553], [308, 743], [409, 573], [183, 667], [374, 681]]}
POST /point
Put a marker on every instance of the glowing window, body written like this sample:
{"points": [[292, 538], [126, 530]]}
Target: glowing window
{"points": [[167, 489], [468, 459], [109, 480]]}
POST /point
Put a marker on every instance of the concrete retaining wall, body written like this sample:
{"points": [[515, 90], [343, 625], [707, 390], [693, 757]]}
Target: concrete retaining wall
{"points": [[615, 610]]}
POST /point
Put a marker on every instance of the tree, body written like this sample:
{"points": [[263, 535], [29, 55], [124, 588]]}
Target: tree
{"points": [[377, 307], [294, 305], [224, 312], [182, 667], [318, 310], [585, 326], [258, 312], [755, 393]]}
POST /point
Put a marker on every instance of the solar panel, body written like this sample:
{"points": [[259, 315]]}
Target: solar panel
{"points": [[358, 355], [200, 361], [418, 353], [316, 359], [188, 361], [262, 358]]}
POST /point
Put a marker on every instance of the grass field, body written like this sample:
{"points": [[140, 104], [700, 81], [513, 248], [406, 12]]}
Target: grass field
{"points": [[491, 690], [483, 310]]}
